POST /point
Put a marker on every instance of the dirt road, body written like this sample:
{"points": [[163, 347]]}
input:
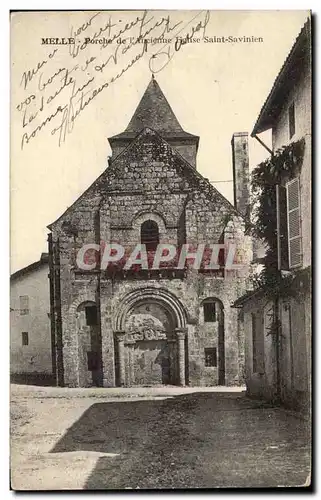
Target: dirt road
{"points": [[152, 438]]}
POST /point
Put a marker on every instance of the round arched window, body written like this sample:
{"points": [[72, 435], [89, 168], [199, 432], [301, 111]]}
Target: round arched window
{"points": [[149, 234]]}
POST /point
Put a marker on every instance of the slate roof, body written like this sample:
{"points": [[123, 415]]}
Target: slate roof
{"points": [[288, 75], [154, 111]]}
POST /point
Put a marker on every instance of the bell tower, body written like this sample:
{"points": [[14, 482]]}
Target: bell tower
{"points": [[154, 112]]}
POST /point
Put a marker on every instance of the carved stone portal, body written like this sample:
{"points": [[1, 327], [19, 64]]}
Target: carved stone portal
{"points": [[149, 351]]}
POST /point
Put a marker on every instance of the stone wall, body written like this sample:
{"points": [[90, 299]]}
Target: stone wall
{"points": [[190, 292], [293, 348], [150, 181]]}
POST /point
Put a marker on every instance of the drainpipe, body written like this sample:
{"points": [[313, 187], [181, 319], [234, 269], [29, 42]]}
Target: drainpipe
{"points": [[277, 300], [52, 310]]}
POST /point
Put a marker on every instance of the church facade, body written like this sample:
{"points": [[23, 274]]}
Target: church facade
{"points": [[136, 326]]}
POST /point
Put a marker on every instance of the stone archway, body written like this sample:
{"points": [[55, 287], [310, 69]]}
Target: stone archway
{"points": [[150, 339]]}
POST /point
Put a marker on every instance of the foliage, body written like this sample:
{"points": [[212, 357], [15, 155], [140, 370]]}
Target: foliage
{"points": [[284, 162], [265, 177], [276, 283]]}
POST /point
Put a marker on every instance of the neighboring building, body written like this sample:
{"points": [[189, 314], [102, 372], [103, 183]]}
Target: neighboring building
{"points": [[30, 345], [168, 326], [282, 369]]}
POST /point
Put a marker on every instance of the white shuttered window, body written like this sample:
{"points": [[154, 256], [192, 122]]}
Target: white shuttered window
{"points": [[294, 222]]}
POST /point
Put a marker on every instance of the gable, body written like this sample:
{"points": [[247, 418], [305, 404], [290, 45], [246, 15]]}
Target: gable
{"points": [[148, 165], [148, 146]]}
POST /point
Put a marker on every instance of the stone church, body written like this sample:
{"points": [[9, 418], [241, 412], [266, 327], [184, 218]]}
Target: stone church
{"points": [[140, 327]]}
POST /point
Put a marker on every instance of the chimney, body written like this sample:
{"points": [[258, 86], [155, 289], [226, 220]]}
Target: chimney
{"points": [[241, 172]]}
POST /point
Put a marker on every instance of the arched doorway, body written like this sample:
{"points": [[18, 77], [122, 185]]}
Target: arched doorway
{"points": [[150, 340], [150, 344], [212, 319], [89, 345]]}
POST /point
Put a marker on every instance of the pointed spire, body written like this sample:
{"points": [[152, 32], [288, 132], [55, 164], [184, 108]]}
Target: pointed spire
{"points": [[154, 112]]}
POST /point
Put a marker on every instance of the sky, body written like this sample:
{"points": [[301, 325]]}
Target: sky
{"points": [[214, 89]]}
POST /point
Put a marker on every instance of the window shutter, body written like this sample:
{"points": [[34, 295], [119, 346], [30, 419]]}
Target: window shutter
{"points": [[283, 228], [294, 222]]}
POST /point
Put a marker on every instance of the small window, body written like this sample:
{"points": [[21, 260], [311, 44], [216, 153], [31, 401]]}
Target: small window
{"points": [[25, 338], [292, 120], [24, 305], [209, 312], [210, 356], [91, 315]]}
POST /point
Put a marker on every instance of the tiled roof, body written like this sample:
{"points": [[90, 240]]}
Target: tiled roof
{"points": [[288, 74]]}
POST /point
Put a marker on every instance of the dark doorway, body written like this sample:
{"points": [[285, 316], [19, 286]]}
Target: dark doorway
{"points": [[89, 338], [94, 355]]}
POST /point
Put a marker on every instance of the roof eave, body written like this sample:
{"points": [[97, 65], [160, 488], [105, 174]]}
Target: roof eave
{"points": [[247, 297], [167, 135], [266, 118]]}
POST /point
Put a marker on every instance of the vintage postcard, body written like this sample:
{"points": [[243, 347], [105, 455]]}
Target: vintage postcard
{"points": [[160, 249]]}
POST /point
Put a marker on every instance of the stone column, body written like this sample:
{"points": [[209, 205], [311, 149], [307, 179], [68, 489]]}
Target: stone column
{"points": [[108, 339], [181, 334], [120, 337]]}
